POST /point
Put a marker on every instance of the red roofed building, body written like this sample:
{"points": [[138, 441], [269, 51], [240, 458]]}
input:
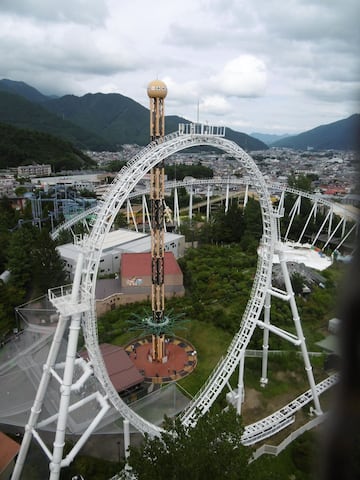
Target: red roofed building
{"points": [[8, 451], [123, 373], [136, 276], [134, 284]]}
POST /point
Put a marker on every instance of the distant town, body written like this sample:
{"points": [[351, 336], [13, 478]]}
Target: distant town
{"points": [[332, 173]]}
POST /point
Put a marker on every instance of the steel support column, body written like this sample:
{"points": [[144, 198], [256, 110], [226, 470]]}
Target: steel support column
{"points": [[299, 331], [264, 367], [240, 385]]}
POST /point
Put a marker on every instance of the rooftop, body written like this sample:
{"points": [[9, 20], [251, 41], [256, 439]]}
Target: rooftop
{"points": [[139, 264], [8, 450], [122, 372]]}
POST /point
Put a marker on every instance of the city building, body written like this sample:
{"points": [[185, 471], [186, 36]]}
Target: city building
{"points": [[7, 185], [33, 170], [80, 182]]}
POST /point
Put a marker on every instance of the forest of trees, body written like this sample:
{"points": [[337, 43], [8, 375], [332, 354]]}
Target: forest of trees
{"points": [[213, 447], [22, 147], [32, 259], [180, 171]]}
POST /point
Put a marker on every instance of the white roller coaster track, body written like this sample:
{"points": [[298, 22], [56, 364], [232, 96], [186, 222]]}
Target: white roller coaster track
{"points": [[120, 190], [80, 303], [236, 182], [278, 420]]}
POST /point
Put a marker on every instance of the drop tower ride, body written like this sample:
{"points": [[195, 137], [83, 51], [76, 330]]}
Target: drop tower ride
{"points": [[157, 92]]}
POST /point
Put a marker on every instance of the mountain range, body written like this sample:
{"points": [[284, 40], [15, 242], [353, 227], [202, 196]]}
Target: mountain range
{"points": [[94, 121], [108, 121], [268, 138], [341, 135]]}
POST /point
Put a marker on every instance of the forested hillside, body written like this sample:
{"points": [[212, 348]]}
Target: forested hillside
{"points": [[19, 112], [93, 121], [23, 147], [340, 135]]}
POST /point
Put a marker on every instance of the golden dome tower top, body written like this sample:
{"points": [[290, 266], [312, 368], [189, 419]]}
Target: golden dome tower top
{"points": [[157, 89]]}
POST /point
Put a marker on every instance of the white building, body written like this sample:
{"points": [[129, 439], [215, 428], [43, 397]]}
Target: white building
{"points": [[33, 170], [7, 186], [118, 242], [84, 181]]}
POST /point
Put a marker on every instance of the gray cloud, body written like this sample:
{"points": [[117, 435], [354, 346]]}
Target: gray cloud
{"points": [[91, 12], [304, 55]]}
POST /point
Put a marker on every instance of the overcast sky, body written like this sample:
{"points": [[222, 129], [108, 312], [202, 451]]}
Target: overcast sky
{"points": [[271, 66]]}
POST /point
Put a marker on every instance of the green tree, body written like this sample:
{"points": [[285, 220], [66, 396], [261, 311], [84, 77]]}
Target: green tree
{"points": [[115, 165], [19, 191], [231, 224], [301, 182], [19, 257], [178, 172], [48, 267], [8, 220], [212, 448], [252, 219], [33, 260], [10, 297], [303, 452], [120, 221], [297, 282]]}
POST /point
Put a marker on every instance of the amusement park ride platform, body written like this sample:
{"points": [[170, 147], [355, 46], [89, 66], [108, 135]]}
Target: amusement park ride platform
{"points": [[181, 359]]}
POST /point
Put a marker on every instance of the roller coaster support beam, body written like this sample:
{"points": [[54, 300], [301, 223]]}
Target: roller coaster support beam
{"points": [[130, 211], [40, 395], [267, 307], [208, 204], [246, 195], [313, 210], [191, 204], [176, 208], [343, 228], [227, 197], [59, 442], [65, 389], [321, 227], [347, 235], [299, 331], [333, 233], [330, 221], [240, 385], [295, 210], [126, 425], [146, 214]]}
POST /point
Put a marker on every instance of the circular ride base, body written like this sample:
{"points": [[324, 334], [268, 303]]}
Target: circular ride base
{"points": [[181, 359]]}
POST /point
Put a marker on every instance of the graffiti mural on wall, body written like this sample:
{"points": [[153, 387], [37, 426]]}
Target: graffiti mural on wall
{"points": [[134, 282]]}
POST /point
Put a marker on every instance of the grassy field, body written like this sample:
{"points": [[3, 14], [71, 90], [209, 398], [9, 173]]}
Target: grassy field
{"points": [[211, 344]]}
